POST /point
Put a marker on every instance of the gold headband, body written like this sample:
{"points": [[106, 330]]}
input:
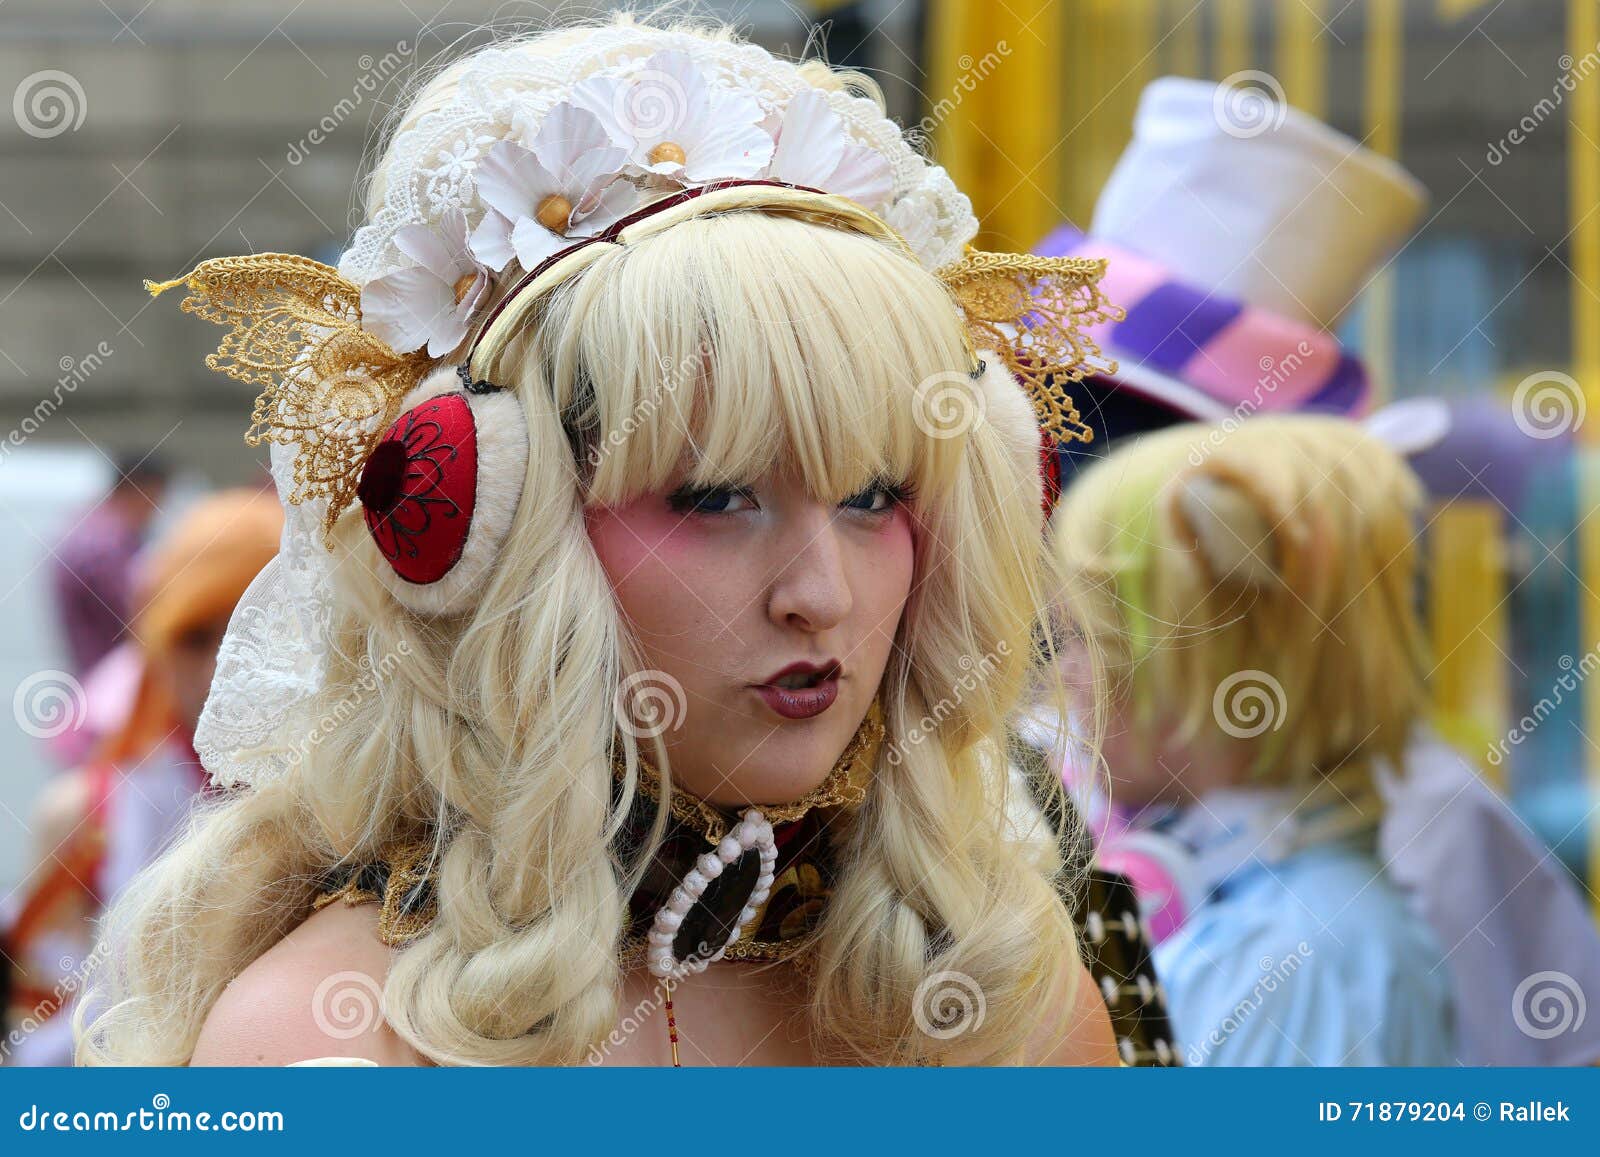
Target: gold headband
{"points": [[332, 389]]}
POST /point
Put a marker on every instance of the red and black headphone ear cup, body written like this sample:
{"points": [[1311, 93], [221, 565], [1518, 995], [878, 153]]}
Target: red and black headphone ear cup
{"points": [[440, 489]]}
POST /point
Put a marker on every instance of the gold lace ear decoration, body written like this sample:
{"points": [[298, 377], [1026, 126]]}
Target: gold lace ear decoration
{"points": [[329, 387], [1035, 312]]}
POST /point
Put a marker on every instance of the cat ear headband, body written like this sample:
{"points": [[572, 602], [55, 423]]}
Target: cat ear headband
{"points": [[505, 192]]}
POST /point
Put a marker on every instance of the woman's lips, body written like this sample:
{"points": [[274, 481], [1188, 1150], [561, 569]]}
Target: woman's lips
{"points": [[800, 702]]}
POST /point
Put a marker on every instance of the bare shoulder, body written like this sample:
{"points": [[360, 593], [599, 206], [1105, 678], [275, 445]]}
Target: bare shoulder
{"points": [[318, 992], [1082, 1035]]}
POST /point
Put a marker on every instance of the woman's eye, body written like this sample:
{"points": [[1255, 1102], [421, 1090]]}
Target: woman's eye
{"points": [[875, 499], [712, 500]]}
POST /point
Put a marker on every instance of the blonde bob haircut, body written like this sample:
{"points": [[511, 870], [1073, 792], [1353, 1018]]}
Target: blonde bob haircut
{"points": [[1253, 586], [750, 342]]}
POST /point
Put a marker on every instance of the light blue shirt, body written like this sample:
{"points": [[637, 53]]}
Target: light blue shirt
{"points": [[1313, 960]]}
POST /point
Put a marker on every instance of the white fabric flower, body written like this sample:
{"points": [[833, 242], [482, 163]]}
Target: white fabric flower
{"points": [[814, 149], [432, 302], [678, 126], [543, 194]]}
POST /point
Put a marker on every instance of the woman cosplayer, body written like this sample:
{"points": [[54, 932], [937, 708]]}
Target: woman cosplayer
{"points": [[664, 562]]}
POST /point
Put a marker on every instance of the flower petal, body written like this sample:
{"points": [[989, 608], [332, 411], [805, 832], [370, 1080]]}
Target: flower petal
{"points": [[811, 142], [731, 142], [533, 242], [422, 244], [512, 180], [571, 135], [865, 176], [491, 240], [404, 307], [617, 201]]}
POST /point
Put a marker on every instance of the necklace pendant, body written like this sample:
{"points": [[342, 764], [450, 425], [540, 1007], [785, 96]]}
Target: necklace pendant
{"points": [[716, 901]]}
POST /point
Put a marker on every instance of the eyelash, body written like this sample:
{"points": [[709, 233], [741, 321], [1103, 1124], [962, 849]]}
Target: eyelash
{"points": [[687, 500]]}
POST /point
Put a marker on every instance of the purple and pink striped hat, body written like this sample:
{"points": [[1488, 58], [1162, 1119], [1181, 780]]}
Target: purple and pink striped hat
{"points": [[1236, 230]]}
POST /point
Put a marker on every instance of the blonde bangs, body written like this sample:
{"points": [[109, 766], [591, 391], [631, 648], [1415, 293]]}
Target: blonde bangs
{"points": [[750, 343]]}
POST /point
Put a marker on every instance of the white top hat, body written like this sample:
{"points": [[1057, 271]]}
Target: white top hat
{"points": [[1235, 191]]}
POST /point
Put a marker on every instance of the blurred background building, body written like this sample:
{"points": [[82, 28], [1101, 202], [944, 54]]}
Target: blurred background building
{"points": [[145, 136]]}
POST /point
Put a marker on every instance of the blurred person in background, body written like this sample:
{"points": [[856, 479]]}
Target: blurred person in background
{"points": [[91, 579], [1229, 325], [1249, 599], [98, 825]]}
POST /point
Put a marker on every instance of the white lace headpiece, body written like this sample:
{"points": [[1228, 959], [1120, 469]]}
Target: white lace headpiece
{"points": [[536, 150]]}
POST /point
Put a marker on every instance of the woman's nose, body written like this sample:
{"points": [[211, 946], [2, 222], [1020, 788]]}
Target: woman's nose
{"points": [[812, 587]]}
